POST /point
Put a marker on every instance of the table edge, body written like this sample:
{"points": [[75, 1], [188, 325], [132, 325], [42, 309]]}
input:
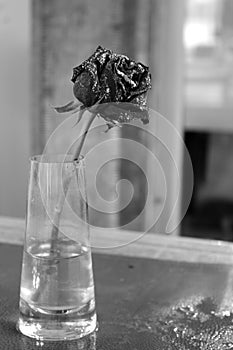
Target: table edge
{"points": [[132, 243]]}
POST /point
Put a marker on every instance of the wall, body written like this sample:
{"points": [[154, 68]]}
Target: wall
{"points": [[14, 105]]}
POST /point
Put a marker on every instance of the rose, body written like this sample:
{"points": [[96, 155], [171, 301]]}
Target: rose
{"points": [[110, 77], [106, 77], [108, 85]]}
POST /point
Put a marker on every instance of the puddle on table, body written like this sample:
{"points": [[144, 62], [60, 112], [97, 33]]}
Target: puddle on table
{"points": [[197, 326], [188, 326]]}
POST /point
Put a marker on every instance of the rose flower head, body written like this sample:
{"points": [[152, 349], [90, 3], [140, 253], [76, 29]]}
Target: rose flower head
{"points": [[112, 86]]}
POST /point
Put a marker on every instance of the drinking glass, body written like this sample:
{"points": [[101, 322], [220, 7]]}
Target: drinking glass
{"points": [[57, 299]]}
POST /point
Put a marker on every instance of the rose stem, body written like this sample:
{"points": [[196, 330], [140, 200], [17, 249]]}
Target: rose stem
{"points": [[59, 207], [60, 204]]}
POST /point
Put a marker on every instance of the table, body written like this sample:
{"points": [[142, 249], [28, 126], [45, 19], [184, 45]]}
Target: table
{"points": [[158, 292]]}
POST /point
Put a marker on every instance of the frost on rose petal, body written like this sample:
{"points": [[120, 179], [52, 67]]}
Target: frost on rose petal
{"points": [[118, 113]]}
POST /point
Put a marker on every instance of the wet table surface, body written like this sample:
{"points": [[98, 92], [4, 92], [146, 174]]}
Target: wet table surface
{"points": [[154, 293]]}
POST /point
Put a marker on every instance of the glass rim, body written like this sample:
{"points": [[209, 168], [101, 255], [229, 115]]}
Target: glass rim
{"points": [[57, 159]]}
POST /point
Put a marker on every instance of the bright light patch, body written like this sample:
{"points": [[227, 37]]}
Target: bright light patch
{"points": [[198, 33]]}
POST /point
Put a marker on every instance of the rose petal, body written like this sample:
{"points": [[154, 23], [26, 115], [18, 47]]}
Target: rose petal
{"points": [[120, 113], [71, 106]]}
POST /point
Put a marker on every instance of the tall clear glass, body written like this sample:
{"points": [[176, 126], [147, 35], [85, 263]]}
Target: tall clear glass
{"points": [[57, 300]]}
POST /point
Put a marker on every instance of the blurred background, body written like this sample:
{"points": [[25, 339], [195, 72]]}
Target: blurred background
{"points": [[188, 45]]}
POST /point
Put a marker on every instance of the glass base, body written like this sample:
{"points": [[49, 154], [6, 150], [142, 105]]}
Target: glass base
{"points": [[56, 326]]}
